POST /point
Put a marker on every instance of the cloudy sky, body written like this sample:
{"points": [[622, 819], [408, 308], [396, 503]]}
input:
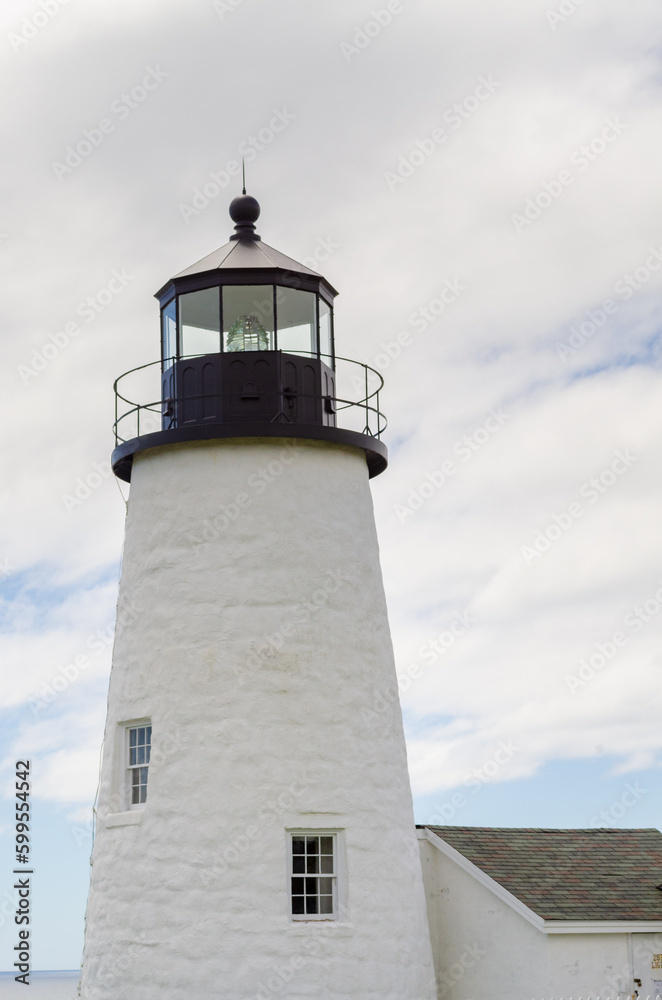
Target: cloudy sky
{"points": [[481, 182]]}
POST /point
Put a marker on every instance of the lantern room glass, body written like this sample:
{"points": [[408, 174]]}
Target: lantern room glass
{"points": [[248, 318], [326, 341], [169, 330], [296, 319], [200, 322]]}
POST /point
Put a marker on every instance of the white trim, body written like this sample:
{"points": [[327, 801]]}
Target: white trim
{"points": [[603, 926], [125, 771], [485, 880], [546, 926], [338, 876], [124, 819]]}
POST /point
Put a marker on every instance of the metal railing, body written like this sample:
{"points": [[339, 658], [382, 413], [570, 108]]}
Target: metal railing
{"points": [[357, 398]]}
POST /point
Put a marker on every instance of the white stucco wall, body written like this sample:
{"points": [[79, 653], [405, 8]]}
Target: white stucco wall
{"points": [[647, 962], [482, 948], [583, 964], [252, 632], [485, 950]]}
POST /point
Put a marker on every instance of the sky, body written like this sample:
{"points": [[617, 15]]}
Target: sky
{"points": [[481, 183]]}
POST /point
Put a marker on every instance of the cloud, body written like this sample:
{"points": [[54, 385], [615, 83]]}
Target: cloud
{"points": [[494, 349]]}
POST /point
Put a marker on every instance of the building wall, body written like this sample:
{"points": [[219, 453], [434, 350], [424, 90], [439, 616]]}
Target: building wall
{"points": [[482, 948], [583, 964], [647, 962], [252, 631], [485, 950]]}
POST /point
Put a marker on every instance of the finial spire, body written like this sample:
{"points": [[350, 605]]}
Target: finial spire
{"points": [[243, 169], [244, 212]]}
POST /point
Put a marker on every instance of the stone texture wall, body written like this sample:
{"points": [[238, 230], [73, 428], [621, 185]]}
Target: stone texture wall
{"points": [[252, 632]]}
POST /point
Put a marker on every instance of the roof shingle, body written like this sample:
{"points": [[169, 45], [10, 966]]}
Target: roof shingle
{"points": [[594, 874]]}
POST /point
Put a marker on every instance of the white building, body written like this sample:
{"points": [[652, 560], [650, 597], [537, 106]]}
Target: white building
{"points": [[516, 914]]}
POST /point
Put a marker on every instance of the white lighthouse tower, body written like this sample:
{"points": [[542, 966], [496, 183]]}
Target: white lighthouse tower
{"points": [[255, 835]]}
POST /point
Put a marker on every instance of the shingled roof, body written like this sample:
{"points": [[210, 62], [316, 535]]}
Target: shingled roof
{"points": [[592, 874]]}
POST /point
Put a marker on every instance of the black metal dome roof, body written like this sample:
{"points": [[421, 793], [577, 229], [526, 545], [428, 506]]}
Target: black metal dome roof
{"points": [[246, 251]]}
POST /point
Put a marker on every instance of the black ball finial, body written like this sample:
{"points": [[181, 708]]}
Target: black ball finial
{"points": [[244, 212]]}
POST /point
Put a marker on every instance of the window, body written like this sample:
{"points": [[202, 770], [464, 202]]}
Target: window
{"points": [[325, 331], [296, 319], [200, 322], [139, 745], [169, 333], [313, 876], [248, 317]]}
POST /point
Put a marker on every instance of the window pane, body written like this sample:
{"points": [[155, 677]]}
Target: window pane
{"points": [[297, 905], [311, 904], [311, 885], [312, 845], [313, 864], [298, 865], [298, 845], [327, 866], [325, 338], [326, 886], [169, 333], [326, 845], [200, 322], [141, 755], [296, 320], [326, 904], [133, 734], [297, 887], [248, 318]]}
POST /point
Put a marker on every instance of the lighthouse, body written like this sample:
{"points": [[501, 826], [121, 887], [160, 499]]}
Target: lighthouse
{"points": [[254, 827]]}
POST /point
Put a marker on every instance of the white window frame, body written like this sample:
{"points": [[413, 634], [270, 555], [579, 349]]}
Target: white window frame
{"points": [[128, 768], [337, 876]]}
